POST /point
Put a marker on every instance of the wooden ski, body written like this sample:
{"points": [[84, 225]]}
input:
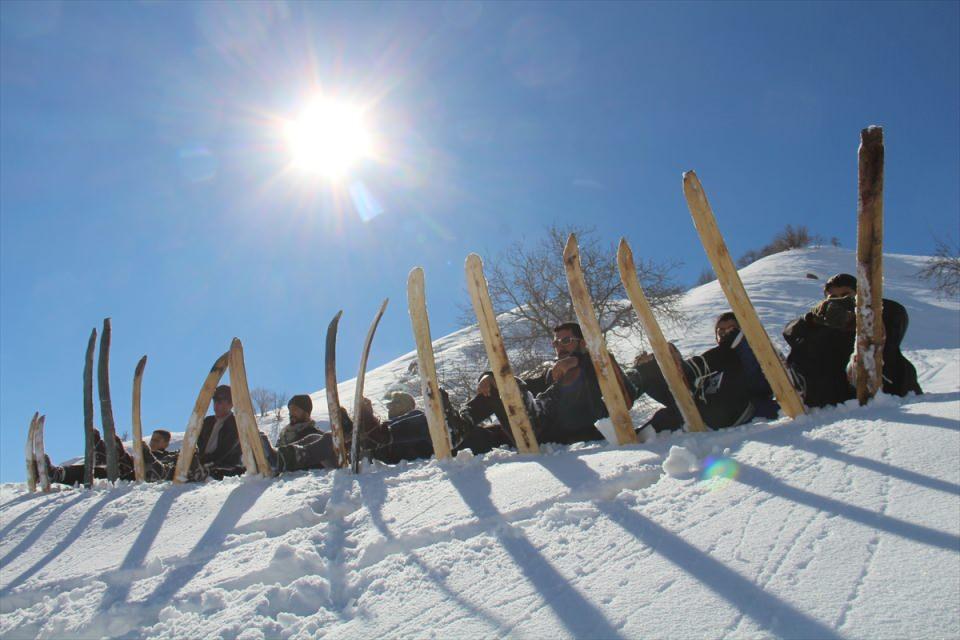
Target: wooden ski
{"points": [[43, 474], [28, 454], [355, 451], [106, 406], [139, 473], [427, 367], [870, 330], [192, 432], [610, 386], [672, 373], [254, 458], [89, 439], [333, 393], [713, 243], [507, 386]]}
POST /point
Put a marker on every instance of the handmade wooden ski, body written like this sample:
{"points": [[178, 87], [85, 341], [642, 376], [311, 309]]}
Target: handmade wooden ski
{"points": [[254, 458], [106, 406], [507, 386], [139, 473], [771, 364], [610, 386], [28, 454], [355, 451], [427, 367], [89, 439], [333, 394], [672, 373], [192, 432], [870, 330], [43, 474]]}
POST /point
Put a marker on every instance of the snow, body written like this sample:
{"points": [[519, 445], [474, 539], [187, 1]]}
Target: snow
{"points": [[843, 523]]}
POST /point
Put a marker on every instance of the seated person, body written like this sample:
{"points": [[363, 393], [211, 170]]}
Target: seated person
{"points": [[159, 441], [300, 425], [728, 385], [823, 341], [73, 474], [563, 400], [218, 450]]}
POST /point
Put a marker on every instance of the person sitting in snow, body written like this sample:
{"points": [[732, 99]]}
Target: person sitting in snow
{"points": [[562, 398], [73, 473], [823, 340], [218, 445], [728, 385], [301, 425]]}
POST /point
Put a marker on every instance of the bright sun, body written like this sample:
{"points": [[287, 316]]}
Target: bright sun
{"points": [[328, 138]]}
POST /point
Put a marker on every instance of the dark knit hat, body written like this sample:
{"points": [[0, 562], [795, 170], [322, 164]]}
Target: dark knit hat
{"points": [[223, 393], [303, 402], [841, 280]]}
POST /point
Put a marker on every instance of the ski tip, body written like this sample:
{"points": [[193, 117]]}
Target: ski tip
{"points": [[236, 344], [416, 275], [336, 317], [571, 246], [474, 260], [623, 247]]}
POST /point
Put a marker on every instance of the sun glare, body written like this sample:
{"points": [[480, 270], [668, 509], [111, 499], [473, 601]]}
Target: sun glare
{"points": [[328, 138]]}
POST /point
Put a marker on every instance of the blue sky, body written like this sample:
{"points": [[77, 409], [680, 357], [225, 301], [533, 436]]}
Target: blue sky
{"points": [[143, 176]]}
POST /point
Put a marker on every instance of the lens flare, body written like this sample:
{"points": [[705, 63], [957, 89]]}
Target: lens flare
{"points": [[719, 471]]}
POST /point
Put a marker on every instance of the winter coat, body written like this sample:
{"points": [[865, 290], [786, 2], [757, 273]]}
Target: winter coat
{"points": [[567, 413], [293, 432], [822, 341], [227, 454]]}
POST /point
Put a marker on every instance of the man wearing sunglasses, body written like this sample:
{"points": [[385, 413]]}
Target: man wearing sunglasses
{"points": [[562, 398]]}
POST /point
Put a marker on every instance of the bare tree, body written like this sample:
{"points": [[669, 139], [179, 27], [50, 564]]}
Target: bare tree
{"points": [[706, 275], [279, 402], [528, 284], [944, 269], [263, 399], [789, 238]]}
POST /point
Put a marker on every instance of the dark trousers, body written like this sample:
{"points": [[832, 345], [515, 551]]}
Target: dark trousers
{"points": [[730, 405]]}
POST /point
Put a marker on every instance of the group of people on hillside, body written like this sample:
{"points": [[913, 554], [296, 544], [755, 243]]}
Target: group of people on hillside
{"points": [[562, 398]]}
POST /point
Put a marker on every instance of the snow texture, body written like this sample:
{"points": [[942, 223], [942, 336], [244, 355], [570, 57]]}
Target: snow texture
{"points": [[844, 523]]}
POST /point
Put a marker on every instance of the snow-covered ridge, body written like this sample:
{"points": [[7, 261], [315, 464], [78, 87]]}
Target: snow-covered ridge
{"points": [[843, 523]]}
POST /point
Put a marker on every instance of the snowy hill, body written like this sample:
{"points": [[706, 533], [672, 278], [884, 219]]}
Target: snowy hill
{"points": [[844, 523]]}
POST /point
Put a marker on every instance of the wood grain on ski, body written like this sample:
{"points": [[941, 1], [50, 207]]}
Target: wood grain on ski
{"points": [[195, 422], [28, 455], [39, 454], [716, 249], [613, 395], [507, 387], [427, 367], [333, 393], [358, 393], [672, 373], [870, 330], [106, 406], [88, 437], [139, 473], [254, 458]]}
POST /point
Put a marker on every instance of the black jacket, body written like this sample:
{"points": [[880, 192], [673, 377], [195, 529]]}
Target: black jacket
{"points": [[822, 341], [228, 452]]}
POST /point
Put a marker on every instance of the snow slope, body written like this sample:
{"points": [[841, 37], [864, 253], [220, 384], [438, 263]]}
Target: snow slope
{"points": [[844, 523]]}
